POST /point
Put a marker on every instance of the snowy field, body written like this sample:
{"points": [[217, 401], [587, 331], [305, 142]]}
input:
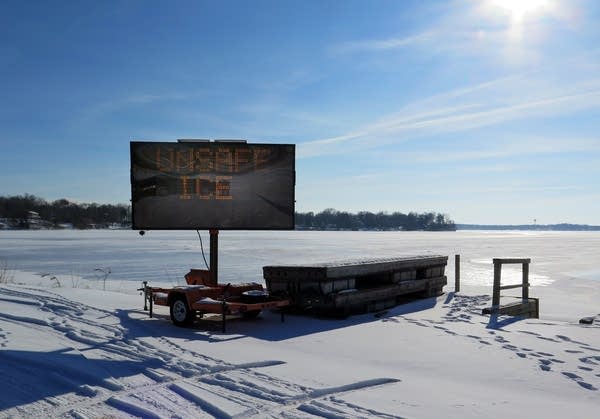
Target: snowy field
{"points": [[69, 348]]}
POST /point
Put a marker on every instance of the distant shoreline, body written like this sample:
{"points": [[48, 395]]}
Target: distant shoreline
{"points": [[459, 227], [529, 227]]}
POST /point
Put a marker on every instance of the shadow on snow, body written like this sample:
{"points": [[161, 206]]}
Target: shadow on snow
{"points": [[30, 376], [268, 326]]}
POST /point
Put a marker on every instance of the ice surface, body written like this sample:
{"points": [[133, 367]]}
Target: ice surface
{"points": [[166, 256]]}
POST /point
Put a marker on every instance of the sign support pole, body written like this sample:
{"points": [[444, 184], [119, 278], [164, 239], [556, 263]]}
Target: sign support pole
{"points": [[214, 255]]}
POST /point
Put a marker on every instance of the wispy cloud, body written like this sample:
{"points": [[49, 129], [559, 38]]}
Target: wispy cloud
{"points": [[512, 189], [537, 88], [381, 44], [392, 123], [462, 112], [148, 98], [518, 146], [100, 109]]}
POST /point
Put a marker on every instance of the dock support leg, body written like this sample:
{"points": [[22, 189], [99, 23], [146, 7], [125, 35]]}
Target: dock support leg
{"points": [[151, 303], [224, 319]]}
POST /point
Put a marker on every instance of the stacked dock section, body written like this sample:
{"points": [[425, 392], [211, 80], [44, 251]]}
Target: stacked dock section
{"points": [[342, 288]]}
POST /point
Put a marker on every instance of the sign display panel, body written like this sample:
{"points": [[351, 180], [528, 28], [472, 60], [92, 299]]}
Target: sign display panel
{"points": [[212, 185]]}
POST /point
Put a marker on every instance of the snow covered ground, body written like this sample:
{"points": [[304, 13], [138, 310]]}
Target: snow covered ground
{"points": [[80, 351]]}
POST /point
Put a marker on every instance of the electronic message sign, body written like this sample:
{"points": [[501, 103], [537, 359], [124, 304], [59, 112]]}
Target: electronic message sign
{"points": [[212, 185]]}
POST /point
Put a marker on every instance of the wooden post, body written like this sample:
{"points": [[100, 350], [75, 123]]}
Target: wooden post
{"points": [[496, 291], [456, 273], [525, 281]]}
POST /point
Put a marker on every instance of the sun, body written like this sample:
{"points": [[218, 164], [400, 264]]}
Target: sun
{"points": [[519, 9]]}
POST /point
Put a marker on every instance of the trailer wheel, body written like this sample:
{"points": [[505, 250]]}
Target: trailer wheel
{"points": [[252, 314], [181, 315], [252, 297]]}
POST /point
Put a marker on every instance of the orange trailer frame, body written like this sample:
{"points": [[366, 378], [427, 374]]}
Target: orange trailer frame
{"points": [[201, 296]]}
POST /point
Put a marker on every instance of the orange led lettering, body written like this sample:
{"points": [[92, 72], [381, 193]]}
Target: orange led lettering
{"points": [[185, 188], [223, 188], [203, 161], [224, 160], [204, 185]]}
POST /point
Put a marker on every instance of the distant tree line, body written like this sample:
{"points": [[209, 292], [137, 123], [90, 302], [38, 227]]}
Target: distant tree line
{"points": [[30, 211], [16, 212], [331, 219]]}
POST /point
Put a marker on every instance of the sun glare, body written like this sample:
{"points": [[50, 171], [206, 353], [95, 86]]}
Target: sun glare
{"points": [[518, 9]]}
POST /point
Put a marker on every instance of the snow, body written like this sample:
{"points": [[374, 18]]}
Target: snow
{"points": [[81, 351]]}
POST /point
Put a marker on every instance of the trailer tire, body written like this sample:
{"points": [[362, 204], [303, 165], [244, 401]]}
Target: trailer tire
{"points": [[181, 315], [252, 314]]}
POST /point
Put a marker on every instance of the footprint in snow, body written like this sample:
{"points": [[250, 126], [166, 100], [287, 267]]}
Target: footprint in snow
{"points": [[529, 333], [500, 339], [568, 339], [579, 381], [587, 386], [545, 364], [590, 360], [535, 354]]}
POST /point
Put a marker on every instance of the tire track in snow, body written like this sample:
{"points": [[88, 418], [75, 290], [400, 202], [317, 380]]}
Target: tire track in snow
{"points": [[134, 395], [274, 397], [165, 379], [333, 408], [234, 401]]}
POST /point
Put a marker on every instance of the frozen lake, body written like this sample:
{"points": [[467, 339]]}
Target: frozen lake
{"points": [[165, 256]]}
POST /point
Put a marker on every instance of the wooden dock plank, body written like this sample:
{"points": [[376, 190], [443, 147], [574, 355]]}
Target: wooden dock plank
{"points": [[511, 260], [332, 270]]}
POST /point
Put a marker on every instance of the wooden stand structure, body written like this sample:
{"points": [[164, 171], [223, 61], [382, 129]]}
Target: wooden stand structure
{"points": [[527, 307], [348, 287]]}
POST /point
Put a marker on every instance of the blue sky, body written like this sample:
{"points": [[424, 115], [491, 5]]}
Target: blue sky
{"points": [[488, 111]]}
